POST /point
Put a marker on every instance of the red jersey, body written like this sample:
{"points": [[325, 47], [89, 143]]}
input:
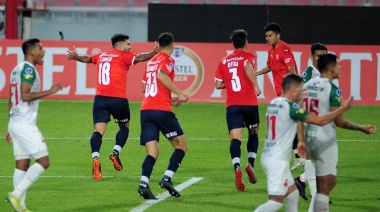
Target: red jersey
{"points": [[157, 96], [231, 71], [278, 61], [113, 67]]}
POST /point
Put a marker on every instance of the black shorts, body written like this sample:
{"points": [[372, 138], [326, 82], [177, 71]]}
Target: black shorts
{"points": [[155, 121], [105, 106], [242, 116]]}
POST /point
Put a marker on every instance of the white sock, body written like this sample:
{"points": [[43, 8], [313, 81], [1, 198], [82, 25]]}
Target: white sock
{"points": [[95, 154], [303, 177], [270, 206], [30, 177], [118, 148], [235, 160], [295, 151], [169, 173], [312, 201], [321, 203], [17, 178], [144, 179], [310, 175], [292, 201]]}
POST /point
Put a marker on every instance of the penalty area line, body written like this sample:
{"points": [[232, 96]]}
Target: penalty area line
{"points": [[161, 197]]}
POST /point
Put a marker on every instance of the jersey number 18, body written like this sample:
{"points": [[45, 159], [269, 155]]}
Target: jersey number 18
{"points": [[104, 73]]}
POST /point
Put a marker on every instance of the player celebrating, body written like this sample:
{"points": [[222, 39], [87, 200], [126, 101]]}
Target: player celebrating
{"points": [[322, 98], [156, 116], [235, 74], [110, 98], [282, 116], [22, 129], [281, 62]]}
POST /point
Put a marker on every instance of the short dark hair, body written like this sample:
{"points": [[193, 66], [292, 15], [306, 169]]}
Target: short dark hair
{"points": [[118, 38], [317, 46], [165, 39], [290, 80], [324, 61], [275, 27], [239, 38], [28, 45]]}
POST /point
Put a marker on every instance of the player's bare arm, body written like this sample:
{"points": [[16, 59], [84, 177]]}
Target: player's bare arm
{"points": [[143, 87], [165, 80], [341, 122], [142, 57], [263, 71], [175, 101], [248, 68], [27, 96], [220, 84], [73, 55], [301, 146], [292, 70], [323, 120]]}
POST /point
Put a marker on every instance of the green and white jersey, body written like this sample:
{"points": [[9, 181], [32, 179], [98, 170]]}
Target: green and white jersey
{"points": [[24, 112], [309, 73], [281, 118], [321, 95]]}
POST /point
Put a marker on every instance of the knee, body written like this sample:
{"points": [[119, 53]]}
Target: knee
{"points": [[44, 162], [253, 131]]}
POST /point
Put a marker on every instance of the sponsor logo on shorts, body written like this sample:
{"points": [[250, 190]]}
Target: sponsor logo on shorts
{"points": [[121, 120], [253, 126], [171, 134]]}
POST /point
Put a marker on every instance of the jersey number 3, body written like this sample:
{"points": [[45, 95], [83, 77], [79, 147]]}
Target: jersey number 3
{"points": [[235, 80], [104, 73]]}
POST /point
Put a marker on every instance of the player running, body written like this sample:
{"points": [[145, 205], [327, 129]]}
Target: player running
{"points": [[235, 73], [111, 95], [322, 97], [282, 116], [23, 132], [156, 115]]}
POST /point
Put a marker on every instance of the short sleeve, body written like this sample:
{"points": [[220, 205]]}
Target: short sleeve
{"points": [[95, 58], [296, 112], [307, 74], [129, 58], [219, 72], [269, 61], [288, 57], [167, 66], [335, 96], [28, 74], [251, 58]]}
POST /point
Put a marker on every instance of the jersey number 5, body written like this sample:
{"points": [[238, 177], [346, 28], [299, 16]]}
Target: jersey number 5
{"points": [[151, 84], [104, 73], [235, 81]]}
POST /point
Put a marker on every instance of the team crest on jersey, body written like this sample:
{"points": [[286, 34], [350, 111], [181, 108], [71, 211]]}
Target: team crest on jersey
{"points": [[188, 70], [296, 106], [277, 56], [339, 92], [29, 70]]}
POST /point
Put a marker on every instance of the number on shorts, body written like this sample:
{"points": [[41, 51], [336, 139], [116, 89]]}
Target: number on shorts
{"points": [[271, 125], [104, 73], [311, 105], [236, 86], [14, 93], [151, 84]]}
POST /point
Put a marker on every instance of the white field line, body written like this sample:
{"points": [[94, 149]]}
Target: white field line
{"points": [[88, 176], [163, 196]]}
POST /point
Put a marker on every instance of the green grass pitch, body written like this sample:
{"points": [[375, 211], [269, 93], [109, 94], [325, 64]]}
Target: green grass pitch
{"points": [[68, 185]]}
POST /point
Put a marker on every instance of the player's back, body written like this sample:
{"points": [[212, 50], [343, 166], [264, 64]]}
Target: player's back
{"points": [[231, 70], [112, 69]]}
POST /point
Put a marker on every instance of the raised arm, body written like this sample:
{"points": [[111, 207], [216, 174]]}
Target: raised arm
{"points": [[142, 57], [165, 80], [341, 122], [27, 96], [263, 71], [73, 55], [248, 68]]}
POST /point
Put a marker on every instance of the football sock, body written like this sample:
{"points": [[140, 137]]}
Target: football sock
{"points": [[95, 155], [310, 175], [28, 180], [235, 152], [303, 177], [292, 201], [252, 146], [17, 178], [270, 206], [144, 181], [147, 168], [121, 138], [321, 202], [312, 201], [96, 142], [174, 163], [295, 143]]}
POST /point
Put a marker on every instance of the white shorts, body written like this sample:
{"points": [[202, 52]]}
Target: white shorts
{"points": [[324, 155], [279, 177], [27, 141]]}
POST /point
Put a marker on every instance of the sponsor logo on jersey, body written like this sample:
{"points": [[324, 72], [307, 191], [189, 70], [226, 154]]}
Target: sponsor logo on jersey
{"points": [[339, 92], [304, 74], [301, 111], [277, 56], [29, 70], [287, 60], [189, 71], [296, 106], [28, 76]]}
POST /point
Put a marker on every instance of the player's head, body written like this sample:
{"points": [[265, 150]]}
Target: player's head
{"points": [[33, 51], [328, 65], [121, 42], [239, 38], [166, 42], [292, 87], [317, 49], [272, 33]]}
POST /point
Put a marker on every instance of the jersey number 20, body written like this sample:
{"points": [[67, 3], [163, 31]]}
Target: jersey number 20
{"points": [[104, 73], [235, 81]]}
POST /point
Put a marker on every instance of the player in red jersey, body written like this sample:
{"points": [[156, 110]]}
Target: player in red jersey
{"points": [[111, 95], [156, 116], [235, 73]]}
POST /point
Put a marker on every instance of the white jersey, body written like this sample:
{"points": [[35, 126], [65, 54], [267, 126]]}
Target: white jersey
{"points": [[24, 112], [321, 94], [282, 116], [309, 73]]}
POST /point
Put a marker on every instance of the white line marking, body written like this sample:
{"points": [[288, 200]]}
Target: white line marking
{"points": [[88, 176], [163, 196]]}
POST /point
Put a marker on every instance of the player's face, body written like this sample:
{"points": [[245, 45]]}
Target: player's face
{"points": [[126, 46], [336, 70], [38, 53], [272, 38], [314, 57], [298, 92]]}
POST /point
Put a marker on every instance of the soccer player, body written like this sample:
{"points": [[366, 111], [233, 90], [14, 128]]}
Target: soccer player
{"points": [[22, 128], [235, 73], [156, 115], [111, 95], [282, 116], [322, 97], [281, 62], [310, 72]]}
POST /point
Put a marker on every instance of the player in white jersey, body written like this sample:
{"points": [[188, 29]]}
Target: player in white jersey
{"points": [[323, 97], [22, 129], [282, 116]]}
